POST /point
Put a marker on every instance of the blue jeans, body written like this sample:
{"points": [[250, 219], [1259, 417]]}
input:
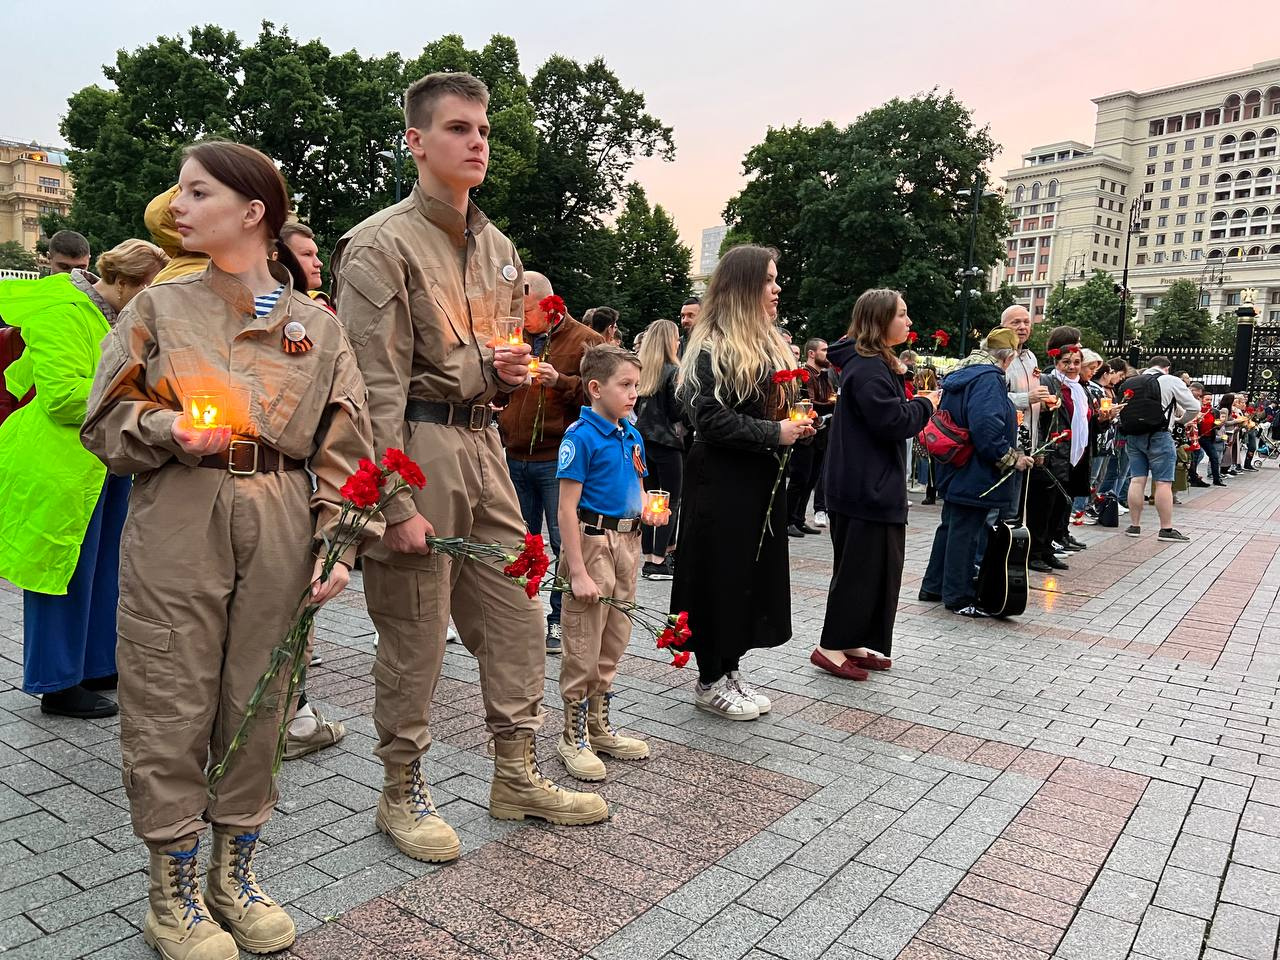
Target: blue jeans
{"points": [[539, 492], [71, 637], [1151, 453], [955, 545], [1213, 451]]}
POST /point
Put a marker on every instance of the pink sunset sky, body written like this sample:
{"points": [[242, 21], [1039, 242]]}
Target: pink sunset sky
{"points": [[722, 73]]}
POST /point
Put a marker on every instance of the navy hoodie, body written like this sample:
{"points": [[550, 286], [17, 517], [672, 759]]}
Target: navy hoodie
{"points": [[867, 455], [977, 398]]}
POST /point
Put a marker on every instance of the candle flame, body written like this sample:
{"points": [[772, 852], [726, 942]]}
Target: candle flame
{"points": [[204, 419]]}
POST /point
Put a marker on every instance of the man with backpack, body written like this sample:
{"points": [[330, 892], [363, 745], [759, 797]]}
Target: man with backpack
{"points": [[1154, 401]]}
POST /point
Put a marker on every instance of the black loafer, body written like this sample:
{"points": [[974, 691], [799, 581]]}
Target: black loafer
{"points": [[928, 597], [1039, 566], [794, 531], [79, 703], [109, 682], [1054, 562], [806, 528]]}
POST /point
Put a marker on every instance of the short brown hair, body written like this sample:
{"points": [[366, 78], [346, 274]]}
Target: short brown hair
{"points": [[295, 228], [602, 361], [132, 261], [422, 96], [872, 315]]}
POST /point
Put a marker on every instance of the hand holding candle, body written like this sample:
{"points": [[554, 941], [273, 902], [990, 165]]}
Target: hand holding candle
{"points": [[801, 411], [657, 510], [200, 428], [510, 330]]}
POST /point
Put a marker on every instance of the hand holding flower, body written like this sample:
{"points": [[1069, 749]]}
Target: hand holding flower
{"points": [[789, 431], [324, 589], [583, 587]]}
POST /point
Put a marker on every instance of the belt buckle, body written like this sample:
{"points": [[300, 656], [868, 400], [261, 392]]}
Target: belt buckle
{"points": [[479, 418], [626, 524], [231, 458]]}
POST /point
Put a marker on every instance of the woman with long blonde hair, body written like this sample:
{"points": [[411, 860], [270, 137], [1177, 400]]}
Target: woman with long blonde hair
{"points": [[659, 421], [735, 586]]}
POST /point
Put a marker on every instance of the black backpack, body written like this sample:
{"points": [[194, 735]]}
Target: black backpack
{"points": [[1143, 412]]}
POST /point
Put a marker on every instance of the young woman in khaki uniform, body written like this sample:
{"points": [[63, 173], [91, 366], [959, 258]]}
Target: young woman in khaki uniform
{"points": [[223, 526]]}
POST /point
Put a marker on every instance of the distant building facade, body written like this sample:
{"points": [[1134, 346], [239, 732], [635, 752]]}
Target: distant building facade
{"points": [[33, 181]]}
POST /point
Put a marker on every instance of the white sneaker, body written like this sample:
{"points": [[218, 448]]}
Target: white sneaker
{"points": [[723, 699], [820, 518], [451, 634], [763, 705]]}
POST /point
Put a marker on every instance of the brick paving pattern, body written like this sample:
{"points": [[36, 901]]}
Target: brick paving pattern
{"points": [[1099, 778]]}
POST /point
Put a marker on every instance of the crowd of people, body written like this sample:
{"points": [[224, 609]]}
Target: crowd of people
{"points": [[154, 548]]}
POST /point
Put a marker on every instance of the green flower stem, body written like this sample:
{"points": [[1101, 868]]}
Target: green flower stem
{"points": [[768, 510]]}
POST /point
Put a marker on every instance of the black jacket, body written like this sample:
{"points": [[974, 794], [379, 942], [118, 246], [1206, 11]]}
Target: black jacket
{"points": [[746, 425], [867, 454], [659, 417]]}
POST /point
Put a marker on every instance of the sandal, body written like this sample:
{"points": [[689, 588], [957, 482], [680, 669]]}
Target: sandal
{"points": [[872, 661], [847, 670]]}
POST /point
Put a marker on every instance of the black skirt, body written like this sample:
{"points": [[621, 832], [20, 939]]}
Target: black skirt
{"points": [[735, 602]]}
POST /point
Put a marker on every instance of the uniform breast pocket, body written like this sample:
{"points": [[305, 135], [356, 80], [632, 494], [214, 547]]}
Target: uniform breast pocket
{"points": [[282, 385]]}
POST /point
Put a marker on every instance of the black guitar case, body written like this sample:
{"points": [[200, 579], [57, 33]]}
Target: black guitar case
{"points": [[1002, 580]]}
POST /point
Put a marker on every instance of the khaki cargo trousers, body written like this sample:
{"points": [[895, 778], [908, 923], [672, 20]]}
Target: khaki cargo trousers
{"points": [[596, 635], [411, 598], [211, 569]]}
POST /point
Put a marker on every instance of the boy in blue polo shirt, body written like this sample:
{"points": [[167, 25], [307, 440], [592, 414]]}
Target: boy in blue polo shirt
{"points": [[601, 508]]}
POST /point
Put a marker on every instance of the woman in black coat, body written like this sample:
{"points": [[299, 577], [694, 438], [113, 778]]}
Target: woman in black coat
{"points": [[867, 487], [735, 586]]}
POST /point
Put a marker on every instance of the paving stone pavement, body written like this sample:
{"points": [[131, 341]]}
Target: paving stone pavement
{"points": [[1099, 778]]}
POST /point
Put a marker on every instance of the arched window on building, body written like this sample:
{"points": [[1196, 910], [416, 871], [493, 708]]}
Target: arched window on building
{"points": [[1035, 190], [1053, 188], [1231, 109], [1020, 194], [1253, 105]]}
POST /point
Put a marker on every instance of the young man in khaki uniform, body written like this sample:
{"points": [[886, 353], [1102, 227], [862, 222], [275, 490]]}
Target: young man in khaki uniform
{"points": [[419, 288]]}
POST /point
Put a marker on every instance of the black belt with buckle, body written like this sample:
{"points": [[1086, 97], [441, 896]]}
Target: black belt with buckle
{"points": [[597, 523], [472, 416], [243, 458]]}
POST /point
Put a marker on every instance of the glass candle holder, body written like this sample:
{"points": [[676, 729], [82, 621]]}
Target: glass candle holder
{"points": [[1104, 404], [510, 330], [658, 502], [205, 411], [533, 366], [801, 410]]}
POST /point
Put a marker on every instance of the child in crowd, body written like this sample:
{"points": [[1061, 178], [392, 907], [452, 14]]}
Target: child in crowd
{"points": [[602, 505]]}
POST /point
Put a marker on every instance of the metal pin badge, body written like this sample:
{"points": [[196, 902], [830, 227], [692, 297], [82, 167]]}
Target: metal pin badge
{"points": [[509, 273], [295, 338]]}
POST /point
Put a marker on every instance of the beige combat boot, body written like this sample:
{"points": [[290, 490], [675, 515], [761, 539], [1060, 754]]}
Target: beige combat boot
{"points": [[520, 790], [604, 738], [574, 748], [407, 815], [178, 924], [258, 923]]}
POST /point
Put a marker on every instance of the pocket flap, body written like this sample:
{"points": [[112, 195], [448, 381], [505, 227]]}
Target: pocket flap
{"points": [[143, 630]]}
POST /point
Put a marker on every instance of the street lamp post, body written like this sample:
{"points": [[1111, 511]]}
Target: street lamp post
{"points": [[396, 156], [968, 276], [1067, 271], [1135, 227]]}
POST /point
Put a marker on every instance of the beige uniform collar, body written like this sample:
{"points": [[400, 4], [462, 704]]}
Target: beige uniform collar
{"points": [[447, 218], [240, 297]]}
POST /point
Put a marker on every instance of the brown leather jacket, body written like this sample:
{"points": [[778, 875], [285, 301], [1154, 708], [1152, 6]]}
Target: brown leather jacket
{"points": [[569, 340]]}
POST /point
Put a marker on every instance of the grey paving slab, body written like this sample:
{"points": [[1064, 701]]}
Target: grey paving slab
{"points": [[1245, 933], [1169, 935]]}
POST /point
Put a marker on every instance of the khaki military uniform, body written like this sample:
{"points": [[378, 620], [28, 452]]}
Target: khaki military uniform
{"points": [[418, 289], [213, 563], [596, 635]]}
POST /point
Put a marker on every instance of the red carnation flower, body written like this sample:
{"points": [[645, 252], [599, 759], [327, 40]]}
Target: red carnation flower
{"points": [[553, 306], [941, 337], [1055, 353], [680, 658], [399, 462], [912, 337], [361, 491], [1128, 394], [803, 374], [783, 376]]}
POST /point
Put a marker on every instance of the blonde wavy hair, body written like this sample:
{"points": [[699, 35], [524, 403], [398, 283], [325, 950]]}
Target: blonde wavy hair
{"points": [[744, 344], [657, 348], [132, 261]]}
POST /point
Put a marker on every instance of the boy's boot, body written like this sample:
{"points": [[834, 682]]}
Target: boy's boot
{"points": [[407, 815], [258, 923], [573, 746], [520, 790], [178, 924], [604, 738]]}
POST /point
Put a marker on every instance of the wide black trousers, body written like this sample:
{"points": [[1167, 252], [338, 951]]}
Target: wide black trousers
{"points": [[862, 603]]}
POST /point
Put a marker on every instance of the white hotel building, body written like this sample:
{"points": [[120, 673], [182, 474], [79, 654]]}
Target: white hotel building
{"points": [[1200, 158]]}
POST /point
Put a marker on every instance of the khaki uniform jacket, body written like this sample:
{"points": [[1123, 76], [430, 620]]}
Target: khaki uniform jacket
{"points": [[418, 288], [563, 402], [199, 334]]}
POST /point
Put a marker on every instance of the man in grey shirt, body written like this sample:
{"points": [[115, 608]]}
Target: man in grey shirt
{"points": [[1154, 453]]}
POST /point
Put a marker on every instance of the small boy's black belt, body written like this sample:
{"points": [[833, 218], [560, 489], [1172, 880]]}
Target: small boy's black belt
{"points": [[471, 416], [598, 523]]}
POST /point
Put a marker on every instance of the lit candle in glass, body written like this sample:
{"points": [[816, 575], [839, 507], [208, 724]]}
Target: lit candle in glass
{"points": [[800, 410], [533, 366], [511, 331], [1050, 401], [659, 502], [204, 410], [1104, 404], [1020, 417]]}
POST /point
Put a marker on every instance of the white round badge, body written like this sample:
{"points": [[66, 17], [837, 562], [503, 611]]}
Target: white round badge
{"points": [[295, 332], [509, 273]]}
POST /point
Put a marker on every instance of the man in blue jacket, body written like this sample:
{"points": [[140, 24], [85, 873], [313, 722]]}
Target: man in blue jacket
{"points": [[976, 396]]}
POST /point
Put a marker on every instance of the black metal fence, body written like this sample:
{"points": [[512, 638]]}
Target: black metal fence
{"points": [[1212, 365]]}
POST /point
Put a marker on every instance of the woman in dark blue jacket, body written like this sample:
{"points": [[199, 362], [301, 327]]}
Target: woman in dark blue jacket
{"points": [[976, 396], [867, 487]]}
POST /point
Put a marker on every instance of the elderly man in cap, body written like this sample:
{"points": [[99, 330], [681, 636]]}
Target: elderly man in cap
{"points": [[976, 396]]}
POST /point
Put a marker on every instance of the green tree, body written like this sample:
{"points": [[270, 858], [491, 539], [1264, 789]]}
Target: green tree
{"points": [[1222, 330], [652, 264], [874, 204], [1179, 321], [14, 256], [591, 130], [1093, 307]]}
